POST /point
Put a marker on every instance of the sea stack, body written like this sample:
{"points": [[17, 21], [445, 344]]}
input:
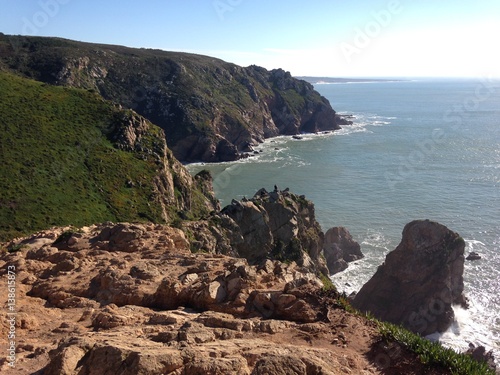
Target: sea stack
{"points": [[419, 281], [339, 249]]}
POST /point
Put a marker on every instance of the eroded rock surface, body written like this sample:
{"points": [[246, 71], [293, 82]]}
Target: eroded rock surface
{"points": [[133, 299]]}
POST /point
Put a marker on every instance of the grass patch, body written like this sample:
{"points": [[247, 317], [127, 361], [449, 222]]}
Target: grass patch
{"points": [[327, 283], [429, 353], [59, 166], [433, 354], [287, 253], [15, 248]]}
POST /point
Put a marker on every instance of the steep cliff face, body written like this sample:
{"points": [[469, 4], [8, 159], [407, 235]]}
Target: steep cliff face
{"points": [[69, 157], [210, 110]]}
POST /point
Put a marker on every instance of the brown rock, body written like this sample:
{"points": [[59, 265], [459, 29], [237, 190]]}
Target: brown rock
{"points": [[419, 280], [65, 361], [105, 315], [480, 354], [277, 225], [253, 222], [279, 365]]}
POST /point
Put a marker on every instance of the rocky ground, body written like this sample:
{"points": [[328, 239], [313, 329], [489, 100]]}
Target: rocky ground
{"points": [[133, 299]]}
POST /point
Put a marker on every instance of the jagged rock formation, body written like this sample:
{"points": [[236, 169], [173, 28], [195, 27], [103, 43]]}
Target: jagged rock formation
{"points": [[419, 281], [210, 110], [132, 298], [277, 225], [339, 249]]}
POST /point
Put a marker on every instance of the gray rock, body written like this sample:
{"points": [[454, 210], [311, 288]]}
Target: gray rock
{"points": [[340, 248], [473, 256]]}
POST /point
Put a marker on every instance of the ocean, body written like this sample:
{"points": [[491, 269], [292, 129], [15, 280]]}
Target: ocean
{"points": [[418, 149]]}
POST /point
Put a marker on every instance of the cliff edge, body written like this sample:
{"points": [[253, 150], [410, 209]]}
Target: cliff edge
{"points": [[70, 157]]}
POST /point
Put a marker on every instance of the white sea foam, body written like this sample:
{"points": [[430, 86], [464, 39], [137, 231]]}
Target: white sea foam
{"points": [[374, 246], [467, 328]]}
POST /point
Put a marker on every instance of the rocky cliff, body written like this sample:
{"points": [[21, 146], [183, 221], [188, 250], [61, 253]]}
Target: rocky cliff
{"points": [[235, 291], [210, 110], [419, 281]]}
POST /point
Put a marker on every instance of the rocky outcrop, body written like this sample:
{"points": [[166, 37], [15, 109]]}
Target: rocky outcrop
{"points": [[339, 249], [277, 225], [210, 110], [419, 281], [133, 299], [274, 225], [473, 256], [133, 260], [175, 191]]}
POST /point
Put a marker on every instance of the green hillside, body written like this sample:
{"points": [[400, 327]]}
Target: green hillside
{"points": [[62, 161]]}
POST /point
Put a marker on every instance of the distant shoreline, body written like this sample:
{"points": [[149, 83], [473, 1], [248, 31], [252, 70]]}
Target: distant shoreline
{"points": [[333, 80]]}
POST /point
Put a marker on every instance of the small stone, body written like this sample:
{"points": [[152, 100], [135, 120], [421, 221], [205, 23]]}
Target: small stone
{"points": [[473, 256]]}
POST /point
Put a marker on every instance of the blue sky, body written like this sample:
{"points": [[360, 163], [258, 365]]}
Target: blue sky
{"points": [[361, 38]]}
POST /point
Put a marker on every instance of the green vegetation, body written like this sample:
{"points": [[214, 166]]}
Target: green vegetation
{"points": [[327, 283], [433, 354], [430, 353], [294, 100], [15, 248], [59, 166], [65, 236], [289, 253]]}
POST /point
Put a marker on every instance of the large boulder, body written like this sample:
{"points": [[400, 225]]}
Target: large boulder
{"points": [[419, 281], [339, 249]]}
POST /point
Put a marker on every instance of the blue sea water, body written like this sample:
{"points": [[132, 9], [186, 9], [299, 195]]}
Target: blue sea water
{"points": [[420, 149]]}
